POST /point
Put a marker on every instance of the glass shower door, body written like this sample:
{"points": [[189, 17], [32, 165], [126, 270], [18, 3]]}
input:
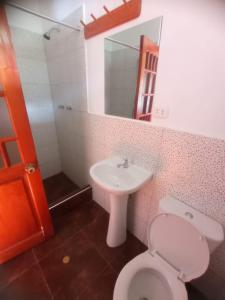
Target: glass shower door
{"points": [[51, 62]]}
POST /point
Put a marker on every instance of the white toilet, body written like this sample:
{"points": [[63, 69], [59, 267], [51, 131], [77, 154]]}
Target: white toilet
{"points": [[180, 241]]}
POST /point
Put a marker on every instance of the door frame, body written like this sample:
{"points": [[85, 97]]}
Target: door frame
{"points": [[147, 71]]}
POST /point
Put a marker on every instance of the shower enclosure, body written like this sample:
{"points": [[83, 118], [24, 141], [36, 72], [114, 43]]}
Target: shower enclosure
{"points": [[50, 58], [121, 69]]}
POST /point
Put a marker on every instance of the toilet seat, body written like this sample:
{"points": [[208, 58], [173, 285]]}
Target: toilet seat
{"points": [[180, 244], [177, 254], [146, 261]]}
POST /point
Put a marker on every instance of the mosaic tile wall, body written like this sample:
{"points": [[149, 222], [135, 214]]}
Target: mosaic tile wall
{"points": [[187, 166]]}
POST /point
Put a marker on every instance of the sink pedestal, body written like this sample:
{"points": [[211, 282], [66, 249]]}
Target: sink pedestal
{"points": [[119, 180], [117, 230]]}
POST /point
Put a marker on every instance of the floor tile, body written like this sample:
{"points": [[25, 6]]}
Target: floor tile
{"points": [[58, 186], [65, 227], [193, 293], [129, 250], [118, 256], [14, 268], [101, 288], [67, 281], [29, 286], [90, 272], [72, 203], [87, 213], [68, 225]]}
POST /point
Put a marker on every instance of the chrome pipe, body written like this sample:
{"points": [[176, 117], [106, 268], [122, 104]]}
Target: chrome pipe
{"points": [[69, 197], [122, 43], [41, 16]]}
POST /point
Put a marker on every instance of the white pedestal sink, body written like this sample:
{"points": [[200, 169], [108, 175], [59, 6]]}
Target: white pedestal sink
{"points": [[119, 181]]}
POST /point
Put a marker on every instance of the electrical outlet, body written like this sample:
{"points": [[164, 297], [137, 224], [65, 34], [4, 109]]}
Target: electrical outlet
{"points": [[160, 112]]}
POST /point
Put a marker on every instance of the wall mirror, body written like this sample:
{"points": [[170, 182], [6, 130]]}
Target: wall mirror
{"points": [[131, 58]]}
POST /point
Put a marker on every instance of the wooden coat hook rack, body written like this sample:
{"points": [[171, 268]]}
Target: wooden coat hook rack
{"points": [[129, 10]]}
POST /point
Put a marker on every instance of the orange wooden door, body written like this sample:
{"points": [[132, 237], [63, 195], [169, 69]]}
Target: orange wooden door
{"points": [[24, 214], [147, 71]]}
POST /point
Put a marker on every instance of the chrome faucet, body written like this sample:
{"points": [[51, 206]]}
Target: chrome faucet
{"points": [[125, 164]]}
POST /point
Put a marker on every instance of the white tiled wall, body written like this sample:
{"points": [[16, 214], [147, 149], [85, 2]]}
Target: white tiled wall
{"points": [[186, 166], [66, 64], [31, 61]]}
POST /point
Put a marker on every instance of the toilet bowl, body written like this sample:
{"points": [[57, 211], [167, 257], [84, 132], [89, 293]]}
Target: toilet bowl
{"points": [[180, 240], [147, 277], [177, 253]]}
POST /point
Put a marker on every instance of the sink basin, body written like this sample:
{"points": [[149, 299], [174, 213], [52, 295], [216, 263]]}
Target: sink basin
{"points": [[119, 181]]}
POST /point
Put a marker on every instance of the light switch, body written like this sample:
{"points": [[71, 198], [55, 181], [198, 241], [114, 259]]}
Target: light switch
{"points": [[160, 112]]}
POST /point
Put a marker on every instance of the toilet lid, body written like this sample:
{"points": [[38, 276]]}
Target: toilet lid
{"points": [[179, 243]]}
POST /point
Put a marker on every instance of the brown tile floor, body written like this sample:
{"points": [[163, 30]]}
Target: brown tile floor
{"points": [[58, 186], [91, 272]]}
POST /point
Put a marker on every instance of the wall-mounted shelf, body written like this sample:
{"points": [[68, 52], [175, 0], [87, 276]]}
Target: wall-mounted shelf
{"points": [[129, 10]]}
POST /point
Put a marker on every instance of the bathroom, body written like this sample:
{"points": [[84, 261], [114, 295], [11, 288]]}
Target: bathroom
{"points": [[77, 120]]}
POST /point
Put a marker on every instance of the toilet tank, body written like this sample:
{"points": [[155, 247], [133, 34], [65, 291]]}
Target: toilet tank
{"points": [[212, 230]]}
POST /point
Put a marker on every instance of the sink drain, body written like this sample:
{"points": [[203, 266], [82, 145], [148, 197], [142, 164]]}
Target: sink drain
{"points": [[144, 298]]}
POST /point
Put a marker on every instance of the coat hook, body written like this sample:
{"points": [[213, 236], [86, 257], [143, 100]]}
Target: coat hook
{"points": [[93, 17], [106, 9], [82, 22]]}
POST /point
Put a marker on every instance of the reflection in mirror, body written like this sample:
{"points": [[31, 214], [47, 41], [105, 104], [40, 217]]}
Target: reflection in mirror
{"points": [[130, 70], [51, 62], [5, 122], [1, 162]]}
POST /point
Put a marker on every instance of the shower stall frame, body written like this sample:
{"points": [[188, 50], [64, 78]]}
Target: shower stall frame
{"points": [[42, 16], [69, 201]]}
